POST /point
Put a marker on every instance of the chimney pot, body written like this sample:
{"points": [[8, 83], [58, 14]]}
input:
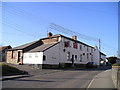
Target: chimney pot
{"points": [[74, 37], [49, 34]]}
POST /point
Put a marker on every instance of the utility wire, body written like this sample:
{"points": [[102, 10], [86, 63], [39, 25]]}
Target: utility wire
{"points": [[84, 8], [108, 46], [70, 32], [53, 26], [18, 30]]}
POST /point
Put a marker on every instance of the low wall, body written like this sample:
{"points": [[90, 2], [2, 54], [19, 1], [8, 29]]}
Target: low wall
{"points": [[115, 74]]}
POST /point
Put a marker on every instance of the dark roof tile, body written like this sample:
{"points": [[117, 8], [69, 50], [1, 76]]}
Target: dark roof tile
{"points": [[43, 47]]}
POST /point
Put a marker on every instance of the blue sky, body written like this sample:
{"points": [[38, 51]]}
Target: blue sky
{"points": [[24, 22]]}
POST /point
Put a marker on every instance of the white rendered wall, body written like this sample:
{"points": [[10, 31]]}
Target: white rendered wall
{"points": [[52, 55], [78, 52], [33, 58]]}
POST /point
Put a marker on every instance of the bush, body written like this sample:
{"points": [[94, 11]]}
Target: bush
{"points": [[9, 70], [116, 64]]}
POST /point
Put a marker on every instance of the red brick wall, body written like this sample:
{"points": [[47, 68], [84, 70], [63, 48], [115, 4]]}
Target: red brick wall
{"points": [[14, 60]]}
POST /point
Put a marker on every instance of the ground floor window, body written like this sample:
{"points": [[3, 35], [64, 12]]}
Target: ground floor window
{"points": [[36, 55], [87, 56], [44, 57], [91, 57], [68, 56], [80, 58], [75, 57]]}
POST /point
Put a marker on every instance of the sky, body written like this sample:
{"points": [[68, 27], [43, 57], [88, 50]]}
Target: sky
{"points": [[23, 22]]}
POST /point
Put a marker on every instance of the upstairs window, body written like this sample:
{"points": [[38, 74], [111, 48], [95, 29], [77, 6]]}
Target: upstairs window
{"points": [[91, 50], [75, 45], [87, 49], [67, 44], [80, 47]]}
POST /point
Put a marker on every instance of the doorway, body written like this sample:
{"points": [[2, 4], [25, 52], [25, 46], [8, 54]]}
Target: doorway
{"points": [[19, 54]]}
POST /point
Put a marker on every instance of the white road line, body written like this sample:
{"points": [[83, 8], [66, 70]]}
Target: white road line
{"points": [[94, 78], [90, 83]]}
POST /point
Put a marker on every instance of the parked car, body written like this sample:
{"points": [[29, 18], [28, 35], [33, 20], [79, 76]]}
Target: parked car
{"points": [[91, 65]]}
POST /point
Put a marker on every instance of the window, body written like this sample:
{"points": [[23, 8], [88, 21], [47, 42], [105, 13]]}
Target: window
{"points": [[36, 55], [75, 45], [91, 57], [72, 57], [12, 54], [80, 47], [63, 50], [25, 56], [90, 53], [68, 56], [91, 50], [83, 53], [67, 44], [75, 57], [87, 49], [87, 55], [30, 56], [81, 58], [44, 57]]}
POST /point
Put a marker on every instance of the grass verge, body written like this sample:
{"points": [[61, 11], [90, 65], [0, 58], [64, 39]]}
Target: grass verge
{"points": [[6, 70]]}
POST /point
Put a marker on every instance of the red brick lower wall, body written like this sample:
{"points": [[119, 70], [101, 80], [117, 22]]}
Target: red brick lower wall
{"points": [[14, 60]]}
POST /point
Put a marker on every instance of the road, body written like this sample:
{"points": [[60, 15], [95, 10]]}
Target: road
{"points": [[79, 78]]}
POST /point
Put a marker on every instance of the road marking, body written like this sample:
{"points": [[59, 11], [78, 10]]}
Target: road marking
{"points": [[90, 83], [95, 77]]}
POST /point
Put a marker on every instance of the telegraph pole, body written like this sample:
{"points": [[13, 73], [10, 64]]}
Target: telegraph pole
{"points": [[99, 45], [99, 51]]}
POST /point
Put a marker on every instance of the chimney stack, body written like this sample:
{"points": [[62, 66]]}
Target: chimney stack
{"points": [[49, 34], [74, 37]]}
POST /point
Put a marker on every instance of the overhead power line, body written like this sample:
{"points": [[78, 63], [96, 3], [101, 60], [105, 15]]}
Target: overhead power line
{"points": [[8, 25], [28, 16], [84, 8], [23, 13], [70, 32]]}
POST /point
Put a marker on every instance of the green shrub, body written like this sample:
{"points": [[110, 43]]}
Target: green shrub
{"points": [[116, 64], [9, 70]]}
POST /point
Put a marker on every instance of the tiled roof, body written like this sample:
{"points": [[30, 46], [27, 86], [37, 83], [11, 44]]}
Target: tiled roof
{"points": [[24, 46], [43, 47], [54, 36], [4, 47]]}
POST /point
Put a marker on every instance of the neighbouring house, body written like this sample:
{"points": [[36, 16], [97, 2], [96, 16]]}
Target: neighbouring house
{"points": [[102, 59], [3, 51], [54, 50]]}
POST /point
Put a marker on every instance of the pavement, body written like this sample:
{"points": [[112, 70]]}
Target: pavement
{"points": [[102, 80]]}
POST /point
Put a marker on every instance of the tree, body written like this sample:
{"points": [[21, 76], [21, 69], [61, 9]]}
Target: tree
{"points": [[112, 60]]}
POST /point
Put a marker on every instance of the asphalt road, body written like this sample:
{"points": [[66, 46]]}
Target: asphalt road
{"points": [[79, 78]]}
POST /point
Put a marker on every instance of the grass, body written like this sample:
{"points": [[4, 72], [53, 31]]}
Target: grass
{"points": [[9, 70]]}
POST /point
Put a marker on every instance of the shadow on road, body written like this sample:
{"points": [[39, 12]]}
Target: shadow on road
{"points": [[34, 80], [86, 69]]}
